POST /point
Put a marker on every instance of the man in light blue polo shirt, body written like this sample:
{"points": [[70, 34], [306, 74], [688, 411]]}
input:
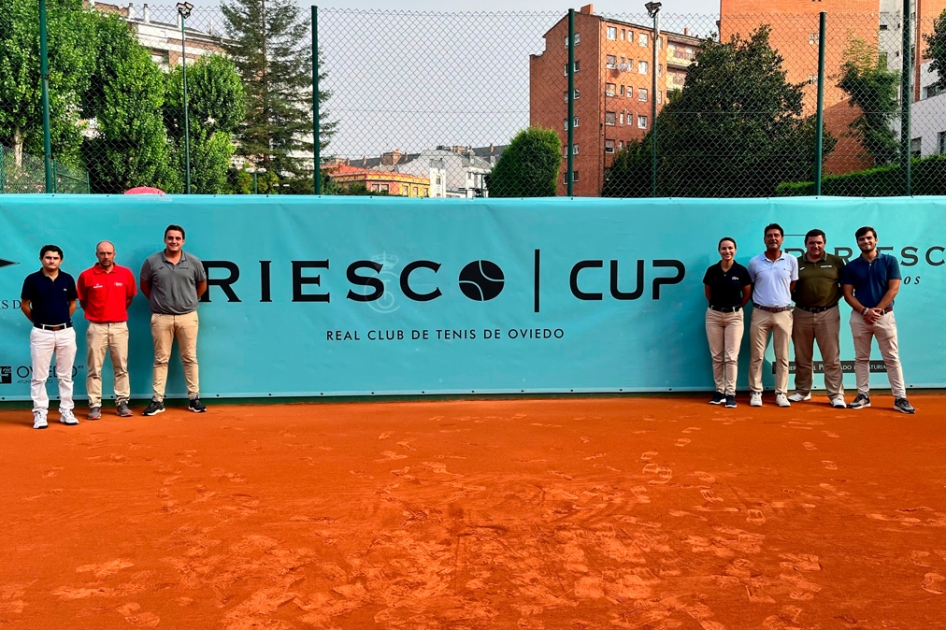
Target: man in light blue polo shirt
{"points": [[774, 275]]}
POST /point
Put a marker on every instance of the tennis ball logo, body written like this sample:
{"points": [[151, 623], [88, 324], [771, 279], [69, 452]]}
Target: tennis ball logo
{"points": [[482, 280]]}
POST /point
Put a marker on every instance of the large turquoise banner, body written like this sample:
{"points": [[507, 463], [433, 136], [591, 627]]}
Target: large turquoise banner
{"points": [[372, 296]]}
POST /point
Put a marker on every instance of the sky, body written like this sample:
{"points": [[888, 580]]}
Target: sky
{"points": [[412, 76]]}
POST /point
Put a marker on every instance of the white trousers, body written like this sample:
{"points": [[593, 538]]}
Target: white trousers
{"points": [[43, 343]]}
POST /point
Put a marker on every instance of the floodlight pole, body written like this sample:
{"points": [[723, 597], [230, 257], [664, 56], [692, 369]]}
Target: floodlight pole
{"points": [[44, 81], [653, 9], [184, 10]]}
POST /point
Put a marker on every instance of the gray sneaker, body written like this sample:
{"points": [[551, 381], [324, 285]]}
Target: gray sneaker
{"points": [[39, 420], [68, 418], [123, 410], [95, 413], [903, 406], [861, 401]]}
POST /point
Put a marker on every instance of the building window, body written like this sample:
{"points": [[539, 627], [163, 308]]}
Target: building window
{"points": [[642, 122], [577, 39], [812, 38], [642, 39], [916, 147], [660, 70], [565, 149], [565, 94], [565, 122], [384, 188], [642, 67], [609, 89], [577, 68], [622, 90], [609, 146], [660, 96], [611, 62], [621, 118], [622, 34], [416, 192], [941, 142], [609, 118], [812, 79], [620, 144], [612, 32], [642, 94]]}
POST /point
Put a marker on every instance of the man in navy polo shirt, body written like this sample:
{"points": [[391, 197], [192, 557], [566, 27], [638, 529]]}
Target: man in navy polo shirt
{"points": [[871, 282], [774, 275], [48, 300]]}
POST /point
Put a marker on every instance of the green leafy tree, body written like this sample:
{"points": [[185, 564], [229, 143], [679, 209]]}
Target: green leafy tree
{"points": [[216, 104], [875, 89], [129, 147], [630, 173], [268, 42], [736, 129], [71, 61], [936, 50], [529, 166]]}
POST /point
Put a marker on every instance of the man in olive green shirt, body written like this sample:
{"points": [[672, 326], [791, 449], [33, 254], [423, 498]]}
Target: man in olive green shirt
{"points": [[818, 318]]}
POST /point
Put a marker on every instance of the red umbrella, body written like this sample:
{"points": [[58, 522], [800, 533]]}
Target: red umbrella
{"points": [[144, 190]]}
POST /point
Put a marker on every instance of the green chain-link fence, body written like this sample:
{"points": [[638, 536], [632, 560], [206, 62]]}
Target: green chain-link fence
{"points": [[441, 104]]}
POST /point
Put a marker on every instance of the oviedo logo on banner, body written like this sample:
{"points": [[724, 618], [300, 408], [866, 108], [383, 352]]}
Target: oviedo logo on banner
{"points": [[377, 281]]}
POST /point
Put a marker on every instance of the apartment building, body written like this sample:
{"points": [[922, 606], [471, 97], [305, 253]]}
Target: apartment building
{"points": [[795, 35], [613, 88], [398, 184]]}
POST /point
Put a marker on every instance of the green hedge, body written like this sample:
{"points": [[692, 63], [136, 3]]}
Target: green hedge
{"points": [[928, 177]]}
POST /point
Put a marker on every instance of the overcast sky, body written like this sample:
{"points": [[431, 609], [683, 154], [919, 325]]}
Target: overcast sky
{"points": [[415, 75]]}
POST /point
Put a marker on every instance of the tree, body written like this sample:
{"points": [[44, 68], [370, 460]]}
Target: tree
{"points": [[630, 173], [873, 88], [936, 51], [268, 43], [529, 166], [125, 96], [736, 128], [216, 105], [71, 62]]}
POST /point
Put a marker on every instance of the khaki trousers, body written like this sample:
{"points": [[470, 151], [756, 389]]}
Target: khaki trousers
{"points": [[164, 329], [724, 333], [761, 324], [113, 338], [825, 328], [885, 330]]}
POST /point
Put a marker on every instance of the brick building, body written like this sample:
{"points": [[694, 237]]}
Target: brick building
{"points": [[794, 34], [397, 184], [613, 85]]}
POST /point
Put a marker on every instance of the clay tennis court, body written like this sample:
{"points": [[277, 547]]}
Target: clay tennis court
{"points": [[568, 513]]}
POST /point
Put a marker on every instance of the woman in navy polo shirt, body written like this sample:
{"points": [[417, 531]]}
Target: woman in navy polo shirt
{"points": [[728, 288]]}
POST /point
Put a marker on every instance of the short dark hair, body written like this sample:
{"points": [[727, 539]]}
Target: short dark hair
{"points": [[50, 248], [175, 228], [864, 230], [727, 238], [773, 226], [814, 233]]}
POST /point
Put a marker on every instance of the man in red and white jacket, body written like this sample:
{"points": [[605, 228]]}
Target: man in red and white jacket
{"points": [[105, 292]]}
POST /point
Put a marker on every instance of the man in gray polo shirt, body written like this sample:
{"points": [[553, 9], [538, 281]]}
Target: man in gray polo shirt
{"points": [[173, 282], [774, 275]]}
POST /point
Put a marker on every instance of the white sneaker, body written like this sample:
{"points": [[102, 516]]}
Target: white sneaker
{"points": [[67, 417], [838, 402], [798, 397], [755, 399], [39, 420], [782, 400]]}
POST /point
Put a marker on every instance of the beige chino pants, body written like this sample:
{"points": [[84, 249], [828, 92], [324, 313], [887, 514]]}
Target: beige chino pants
{"points": [[113, 339], [761, 324], [724, 334], [885, 330], [164, 330], [825, 328]]}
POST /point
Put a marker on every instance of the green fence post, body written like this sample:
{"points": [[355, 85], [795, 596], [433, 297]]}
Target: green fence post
{"points": [[316, 140], [3, 169], [570, 158], [819, 143], [88, 184], [55, 177], [44, 81], [906, 98], [653, 9]]}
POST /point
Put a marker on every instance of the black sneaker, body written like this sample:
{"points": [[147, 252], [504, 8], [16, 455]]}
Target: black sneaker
{"points": [[861, 401], [730, 402], [154, 407], [903, 406], [718, 398], [196, 406]]}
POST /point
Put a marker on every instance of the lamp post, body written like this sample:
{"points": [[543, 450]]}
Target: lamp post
{"points": [[184, 10], [653, 10]]}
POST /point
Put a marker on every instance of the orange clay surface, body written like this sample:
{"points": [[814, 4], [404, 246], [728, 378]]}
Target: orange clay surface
{"points": [[597, 513]]}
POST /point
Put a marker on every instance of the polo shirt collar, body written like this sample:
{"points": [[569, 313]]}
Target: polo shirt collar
{"points": [[97, 268], [823, 258], [781, 256], [164, 256]]}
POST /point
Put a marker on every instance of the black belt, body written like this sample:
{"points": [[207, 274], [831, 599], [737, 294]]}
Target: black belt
{"points": [[816, 309], [771, 309], [53, 327], [726, 309]]}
